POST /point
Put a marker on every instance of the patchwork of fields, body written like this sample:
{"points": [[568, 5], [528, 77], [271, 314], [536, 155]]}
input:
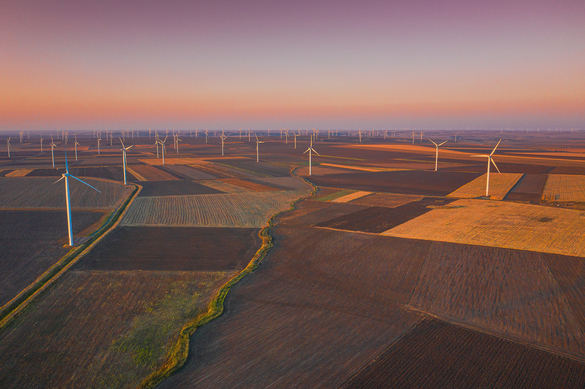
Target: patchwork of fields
{"points": [[500, 185]]}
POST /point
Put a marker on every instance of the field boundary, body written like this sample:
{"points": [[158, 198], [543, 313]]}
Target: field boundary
{"points": [[19, 303], [180, 351]]}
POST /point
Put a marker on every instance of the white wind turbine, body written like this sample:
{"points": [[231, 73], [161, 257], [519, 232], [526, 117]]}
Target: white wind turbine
{"points": [[66, 176], [295, 134], [206, 134], [8, 146], [257, 148], [162, 146], [124, 149], [53, 145], [309, 150], [421, 135], [76, 144], [156, 142], [490, 160], [223, 138], [437, 152], [99, 139], [413, 137], [360, 135], [41, 143]]}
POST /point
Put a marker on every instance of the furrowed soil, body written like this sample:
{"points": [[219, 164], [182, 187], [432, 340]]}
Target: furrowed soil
{"points": [[101, 329], [386, 200], [31, 242], [152, 173], [436, 354], [529, 188], [173, 249], [417, 182], [564, 187], [110, 173], [174, 188], [189, 172], [380, 219], [305, 319]]}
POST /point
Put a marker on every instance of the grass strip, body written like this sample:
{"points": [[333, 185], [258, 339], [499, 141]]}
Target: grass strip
{"points": [[17, 305], [180, 351]]}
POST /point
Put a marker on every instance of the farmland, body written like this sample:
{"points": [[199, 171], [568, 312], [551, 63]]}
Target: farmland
{"points": [[386, 200], [529, 188], [150, 173], [415, 182], [564, 187], [111, 173], [441, 355], [173, 249], [500, 224], [500, 185], [246, 209], [174, 188], [28, 252], [189, 172], [40, 192]]}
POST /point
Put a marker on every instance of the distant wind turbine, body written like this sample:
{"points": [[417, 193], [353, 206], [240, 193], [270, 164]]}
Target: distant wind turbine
{"points": [[257, 148], [437, 152], [413, 137], [309, 150], [53, 145], [8, 146], [41, 143], [66, 176], [124, 149], [162, 146], [76, 144], [223, 138], [490, 160]]}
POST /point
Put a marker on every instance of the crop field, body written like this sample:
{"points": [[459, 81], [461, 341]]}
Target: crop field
{"points": [[174, 188], [436, 354], [42, 192], [249, 185], [509, 292], [564, 187], [500, 185], [379, 219], [352, 196], [568, 170], [222, 186], [320, 170], [428, 183], [529, 188], [309, 213], [32, 241], [246, 209], [173, 249], [500, 224], [284, 183], [305, 319], [111, 173], [19, 173], [386, 200], [262, 169], [96, 160], [189, 172], [101, 329], [3, 173], [151, 173]]}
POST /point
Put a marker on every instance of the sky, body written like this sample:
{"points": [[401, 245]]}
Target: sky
{"points": [[68, 64]]}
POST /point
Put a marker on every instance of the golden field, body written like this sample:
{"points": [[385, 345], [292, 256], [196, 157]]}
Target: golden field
{"points": [[564, 187], [500, 185]]}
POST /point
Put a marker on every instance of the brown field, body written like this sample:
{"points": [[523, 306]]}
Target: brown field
{"points": [[529, 188], [500, 224], [261, 169], [190, 172], [31, 242], [284, 183], [305, 319], [500, 185], [310, 213], [362, 168], [174, 188], [3, 173], [380, 219], [428, 183], [222, 186], [386, 200], [101, 329], [320, 170], [172, 161], [42, 192], [247, 209], [580, 170], [151, 173], [508, 292], [173, 249], [19, 173], [111, 173], [564, 187], [436, 354], [249, 185], [351, 196]]}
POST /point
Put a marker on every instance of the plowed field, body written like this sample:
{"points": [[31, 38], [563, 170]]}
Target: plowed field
{"points": [[564, 187], [529, 188], [174, 188], [439, 355], [151, 173], [500, 185]]}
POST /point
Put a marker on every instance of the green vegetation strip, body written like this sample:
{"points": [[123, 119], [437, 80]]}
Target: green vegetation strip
{"points": [[180, 351], [336, 195], [15, 306]]}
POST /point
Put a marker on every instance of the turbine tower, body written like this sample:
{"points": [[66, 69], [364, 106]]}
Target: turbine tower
{"points": [[490, 160], [162, 146], [257, 148], [8, 146], [124, 149], [437, 152], [66, 176], [223, 138], [76, 144], [53, 145], [309, 150]]}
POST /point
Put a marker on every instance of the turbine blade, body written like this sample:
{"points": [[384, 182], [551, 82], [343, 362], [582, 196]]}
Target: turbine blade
{"points": [[441, 144], [433, 142], [307, 150], [84, 183], [491, 159], [315, 151], [121, 142], [495, 148], [482, 155], [62, 177]]}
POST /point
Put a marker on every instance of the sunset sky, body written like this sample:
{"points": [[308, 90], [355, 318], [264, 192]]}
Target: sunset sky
{"points": [[262, 64]]}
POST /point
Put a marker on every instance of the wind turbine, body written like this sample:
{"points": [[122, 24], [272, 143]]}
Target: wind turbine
{"points": [[257, 152], [162, 146], [294, 133], [240, 133], [413, 137], [99, 139], [222, 137], [206, 133], [421, 135], [360, 135], [309, 150], [124, 149], [437, 152], [490, 159], [8, 145], [66, 176], [53, 145], [41, 143], [76, 144], [177, 140]]}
